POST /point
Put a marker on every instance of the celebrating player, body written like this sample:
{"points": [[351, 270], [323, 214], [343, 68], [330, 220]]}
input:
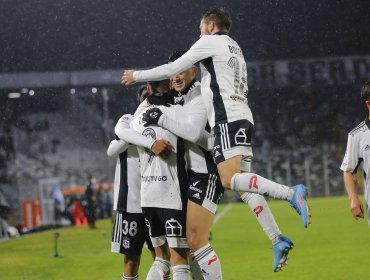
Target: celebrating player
{"points": [[163, 183]]}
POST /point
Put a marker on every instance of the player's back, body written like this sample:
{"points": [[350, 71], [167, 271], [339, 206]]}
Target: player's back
{"points": [[160, 186], [224, 80]]}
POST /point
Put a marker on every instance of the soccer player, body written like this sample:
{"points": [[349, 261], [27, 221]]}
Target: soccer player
{"points": [[224, 90], [357, 153], [130, 231], [163, 186], [205, 188]]}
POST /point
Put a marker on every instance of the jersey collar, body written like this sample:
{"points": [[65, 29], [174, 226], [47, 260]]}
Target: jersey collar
{"points": [[220, 33]]}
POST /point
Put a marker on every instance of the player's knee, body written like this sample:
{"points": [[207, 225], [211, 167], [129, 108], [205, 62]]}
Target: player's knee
{"points": [[195, 239], [226, 182]]}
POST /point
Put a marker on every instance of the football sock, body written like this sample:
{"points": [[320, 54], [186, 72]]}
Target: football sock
{"points": [[250, 182], [259, 206], [130, 278], [209, 263], [181, 272], [196, 272], [159, 269]]}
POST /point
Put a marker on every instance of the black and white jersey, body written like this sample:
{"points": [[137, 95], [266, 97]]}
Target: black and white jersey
{"points": [[163, 182], [224, 77], [186, 122], [357, 154], [127, 175]]}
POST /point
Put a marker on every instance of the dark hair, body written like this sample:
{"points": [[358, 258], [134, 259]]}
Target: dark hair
{"points": [[142, 93], [175, 55], [221, 18], [157, 84], [365, 92]]}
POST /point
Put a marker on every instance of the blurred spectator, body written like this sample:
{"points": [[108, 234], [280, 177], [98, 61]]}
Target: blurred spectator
{"points": [[90, 195], [78, 213], [59, 205]]}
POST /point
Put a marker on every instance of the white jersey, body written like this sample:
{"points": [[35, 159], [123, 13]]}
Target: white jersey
{"points": [[188, 122], [127, 175], [160, 184], [358, 153], [224, 77]]}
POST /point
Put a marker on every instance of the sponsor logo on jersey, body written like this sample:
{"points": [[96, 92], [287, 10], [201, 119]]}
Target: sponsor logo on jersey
{"points": [[126, 243], [367, 148], [195, 183], [217, 154], [153, 178], [195, 189], [173, 228], [241, 137], [196, 195]]}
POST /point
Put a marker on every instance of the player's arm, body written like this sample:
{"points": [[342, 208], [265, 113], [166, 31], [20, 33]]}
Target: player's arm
{"points": [[125, 132], [199, 51], [349, 166], [351, 187], [117, 147]]}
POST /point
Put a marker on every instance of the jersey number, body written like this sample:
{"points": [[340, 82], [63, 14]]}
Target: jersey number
{"points": [[129, 228]]}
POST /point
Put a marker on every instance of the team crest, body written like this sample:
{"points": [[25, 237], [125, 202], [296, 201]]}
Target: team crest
{"points": [[126, 243]]}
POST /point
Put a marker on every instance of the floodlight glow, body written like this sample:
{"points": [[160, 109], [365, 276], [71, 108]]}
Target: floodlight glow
{"points": [[94, 90], [14, 95], [72, 91], [31, 92]]}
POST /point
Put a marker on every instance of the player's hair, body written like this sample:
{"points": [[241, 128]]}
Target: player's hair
{"points": [[365, 92], [221, 18], [159, 84], [142, 93], [175, 55]]}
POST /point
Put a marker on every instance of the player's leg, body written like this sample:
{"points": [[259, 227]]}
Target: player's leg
{"points": [[205, 191], [161, 266], [179, 263], [232, 178], [128, 238]]}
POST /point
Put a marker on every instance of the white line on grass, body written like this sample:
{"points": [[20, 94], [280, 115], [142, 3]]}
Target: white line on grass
{"points": [[223, 212]]}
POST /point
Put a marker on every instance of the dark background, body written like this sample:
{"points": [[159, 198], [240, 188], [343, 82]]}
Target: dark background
{"points": [[39, 35]]}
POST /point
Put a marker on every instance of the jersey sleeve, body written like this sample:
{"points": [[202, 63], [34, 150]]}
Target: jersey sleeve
{"points": [[116, 147], [351, 158], [188, 121], [199, 51], [126, 133]]}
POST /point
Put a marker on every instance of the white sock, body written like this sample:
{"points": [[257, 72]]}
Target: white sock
{"points": [[259, 206], [181, 272], [196, 272], [130, 278], [159, 269], [250, 182], [209, 263]]}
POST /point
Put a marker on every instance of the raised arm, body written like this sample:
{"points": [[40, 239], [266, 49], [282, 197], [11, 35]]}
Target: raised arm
{"points": [[199, 51]]}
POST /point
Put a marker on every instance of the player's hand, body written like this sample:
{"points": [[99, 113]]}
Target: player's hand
{"points": [[162, 148], [152, 116], [128, 77], [357, 209]]}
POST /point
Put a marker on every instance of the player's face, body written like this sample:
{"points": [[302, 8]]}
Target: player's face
{"points": [[203, 28], [180, 82]]}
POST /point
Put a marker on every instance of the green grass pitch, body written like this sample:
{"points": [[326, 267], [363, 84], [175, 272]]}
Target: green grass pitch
{"points": [[335, 246]]}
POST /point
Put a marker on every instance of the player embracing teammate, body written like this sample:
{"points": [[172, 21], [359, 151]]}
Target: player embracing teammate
{"points": [[224, 94]]}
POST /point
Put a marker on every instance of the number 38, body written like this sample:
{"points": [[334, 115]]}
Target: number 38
{"points": [[129, 228]]}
